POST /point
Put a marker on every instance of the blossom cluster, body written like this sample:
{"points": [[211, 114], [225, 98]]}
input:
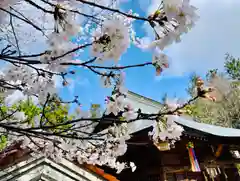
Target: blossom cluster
{"points": [[28, 81], [117, 103], [169, 23], [166, 132], [181, 18], [112, 40], [91, 151], [108, 36]]}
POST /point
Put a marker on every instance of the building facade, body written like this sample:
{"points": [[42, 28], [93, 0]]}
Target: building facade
{"points": [[213, 153], [204, 153]]}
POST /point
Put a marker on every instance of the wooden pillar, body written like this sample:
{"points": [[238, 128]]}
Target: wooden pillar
{"points": [[162, 172]]}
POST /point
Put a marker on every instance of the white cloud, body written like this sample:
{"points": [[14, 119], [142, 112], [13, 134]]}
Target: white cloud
{"points": [[216, 33]]}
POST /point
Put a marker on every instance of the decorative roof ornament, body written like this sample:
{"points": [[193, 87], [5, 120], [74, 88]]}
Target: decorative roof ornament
{"points": [[162, 146]]}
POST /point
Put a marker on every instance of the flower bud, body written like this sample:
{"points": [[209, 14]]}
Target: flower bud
{"points": [[64, 83], [158, 71]]}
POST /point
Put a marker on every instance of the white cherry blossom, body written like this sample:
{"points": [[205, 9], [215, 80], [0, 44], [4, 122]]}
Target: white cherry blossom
{"points": [[111, 41], [115, 104], [181, 18], [130, 114], [161, 60], [112, 108], [55, 30], [171, 7], [168, 131], [133, 166]]}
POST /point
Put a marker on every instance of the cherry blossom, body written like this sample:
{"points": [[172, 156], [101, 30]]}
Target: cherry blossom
{"points": [[106, 80], [160, 61], [130, 113], [169, 131], [133, 166], [182, 17], [30, 83], [115, 104], [40, 51], [181, 10], [91, 152], [111, 41]]}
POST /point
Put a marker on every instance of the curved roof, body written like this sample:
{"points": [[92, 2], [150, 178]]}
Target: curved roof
{"points": [[149, 105], [210, 129]]}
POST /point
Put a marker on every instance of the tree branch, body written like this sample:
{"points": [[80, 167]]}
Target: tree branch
{"points": [[24, 20], [113, 10], [15, 36]]}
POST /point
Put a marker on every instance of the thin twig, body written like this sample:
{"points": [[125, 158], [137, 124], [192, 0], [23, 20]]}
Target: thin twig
{"points": [[25, 20], [39, 7], [113, 10], [15, 36]]}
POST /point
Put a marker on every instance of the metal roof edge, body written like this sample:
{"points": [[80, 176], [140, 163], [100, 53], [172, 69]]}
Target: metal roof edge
{"points": [[203, 127], [144, 98]]}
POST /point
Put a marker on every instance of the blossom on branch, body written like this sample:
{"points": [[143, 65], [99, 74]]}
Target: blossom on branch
{"points": [[203, 91], [171, 21], [166, 131], [160, 61], [60, 33], [111, 41]]}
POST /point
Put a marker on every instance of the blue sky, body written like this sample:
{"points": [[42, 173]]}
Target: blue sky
{"points": [[203, 48]]}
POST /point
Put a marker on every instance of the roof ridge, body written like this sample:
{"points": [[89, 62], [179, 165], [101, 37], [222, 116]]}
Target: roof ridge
{"points": [[144, 97]]}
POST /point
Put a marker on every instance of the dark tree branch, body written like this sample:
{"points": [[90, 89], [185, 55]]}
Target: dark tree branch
{"points": [[107, 120], [25, 131], [73, 50], [43, 111], [5, 117], [39, 7], [113, 10], [23, 19], [74, 11], [170, 112], [14, 34], [122, 67]]}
